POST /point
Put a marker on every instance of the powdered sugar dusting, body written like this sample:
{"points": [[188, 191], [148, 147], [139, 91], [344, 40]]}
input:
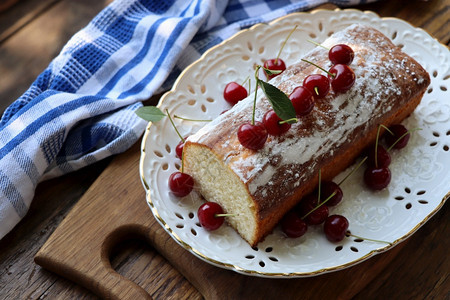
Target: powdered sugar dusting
{"points": [[381, 74]]}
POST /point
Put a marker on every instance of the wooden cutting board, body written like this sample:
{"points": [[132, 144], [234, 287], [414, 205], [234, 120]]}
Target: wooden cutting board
{"points": [[114, 209]]}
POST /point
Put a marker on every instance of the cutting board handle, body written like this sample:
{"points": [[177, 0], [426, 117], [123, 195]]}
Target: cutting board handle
{"points": [[98, 275], [113, 284], [113, 210]]}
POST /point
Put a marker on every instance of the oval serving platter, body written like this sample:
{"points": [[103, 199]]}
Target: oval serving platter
{"points": [[420, 179]]}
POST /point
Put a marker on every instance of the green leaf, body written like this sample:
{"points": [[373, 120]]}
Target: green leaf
{"points": [[272, 72], [280, 102], [150, 113]]}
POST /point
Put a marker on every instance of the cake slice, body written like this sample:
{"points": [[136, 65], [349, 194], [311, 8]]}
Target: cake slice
{"points": [[259, 187]]}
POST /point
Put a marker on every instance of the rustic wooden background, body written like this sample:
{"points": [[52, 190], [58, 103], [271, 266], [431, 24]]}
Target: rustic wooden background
{"points": [[32, 32]]}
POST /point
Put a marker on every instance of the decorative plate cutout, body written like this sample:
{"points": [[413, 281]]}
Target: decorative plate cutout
{"points": [[421, 177]]}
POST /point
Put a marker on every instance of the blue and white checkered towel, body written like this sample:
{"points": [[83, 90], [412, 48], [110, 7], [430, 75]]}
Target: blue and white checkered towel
{"points": [[81, 108]]}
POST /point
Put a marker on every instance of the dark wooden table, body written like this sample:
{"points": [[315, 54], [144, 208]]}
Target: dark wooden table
{"points": [[32, 32]]}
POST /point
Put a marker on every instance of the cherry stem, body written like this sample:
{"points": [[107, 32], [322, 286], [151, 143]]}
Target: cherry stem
{"points": [[387, 129], [187, 119], [376, 144], [319, 67], [353, 171], [284, 44], [317, 44], [295, 120], [256, 91], [175, 127], [245, 81], [224, 215], [320, 186], [182, 161], [316, 90], [348, 233], [319, 205]]}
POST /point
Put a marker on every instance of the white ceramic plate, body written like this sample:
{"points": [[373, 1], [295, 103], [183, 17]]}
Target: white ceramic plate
{"points": [[420, 172]]}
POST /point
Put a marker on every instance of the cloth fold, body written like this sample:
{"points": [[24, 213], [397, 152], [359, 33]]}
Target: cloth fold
{"points": [[81, 108]]}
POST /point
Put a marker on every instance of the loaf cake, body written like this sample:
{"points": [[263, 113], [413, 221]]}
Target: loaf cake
{"points": [[259, 187]]}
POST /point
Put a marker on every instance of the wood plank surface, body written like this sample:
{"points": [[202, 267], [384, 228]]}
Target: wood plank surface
{"points": [[418, 269]]}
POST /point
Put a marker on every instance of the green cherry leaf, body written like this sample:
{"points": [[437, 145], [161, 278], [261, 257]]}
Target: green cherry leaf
{"points": [[150, 113], [280, 102], [270, 72]]}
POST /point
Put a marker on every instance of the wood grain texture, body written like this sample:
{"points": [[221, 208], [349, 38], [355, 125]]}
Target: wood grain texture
{"points": [[13, 20], [418, 269]]}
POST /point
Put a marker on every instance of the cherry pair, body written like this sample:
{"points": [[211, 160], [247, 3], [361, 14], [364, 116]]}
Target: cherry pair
{"points": [[377, 175], [312, 210], [335, 226]]}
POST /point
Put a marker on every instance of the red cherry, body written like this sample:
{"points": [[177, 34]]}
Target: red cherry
{"points": [[383, 157], [317, 84], [207, 215], [272, 124], [341, 54], [252, 136], [181, 184], [318, 216], [327, 189], [335, 228], [179, 148], [308, 204], [274, 64], [293, 226], [398, 131], [343, 78], [302, 100], [377, 178], [234, 92]]}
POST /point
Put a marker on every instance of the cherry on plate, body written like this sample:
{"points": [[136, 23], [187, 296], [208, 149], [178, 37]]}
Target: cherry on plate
{"points": [[179, 148], [292, 225], [399, 138], [377, 178], [307, 203], [234, 92], [327, 189], [181, 184], [383, 157], [274, 64], [208, 215], [335, 228], [318, 214]]}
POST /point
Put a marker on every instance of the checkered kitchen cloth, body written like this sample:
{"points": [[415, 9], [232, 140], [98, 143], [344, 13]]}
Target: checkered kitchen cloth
{"points": [[81, 108]]}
